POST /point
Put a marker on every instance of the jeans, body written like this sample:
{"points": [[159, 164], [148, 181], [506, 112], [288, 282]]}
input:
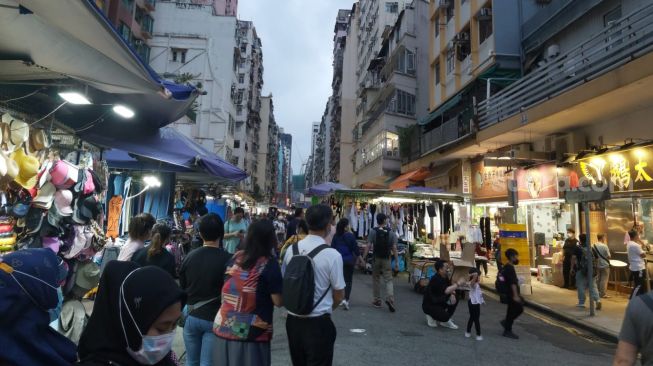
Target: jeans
{"points": [[479, 263], [474, 317], [639, 282], [582, 282], [566, 271], [311, 340], [514, 311], [199, 340], [381, 267], [348, 271], [602, 280]]}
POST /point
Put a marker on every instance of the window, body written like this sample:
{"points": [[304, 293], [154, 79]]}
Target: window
{"points": [[392, 7], [241, 78], [239, 96], [129, 4], [402, 103], [405, 62], [124, 31], [243, 64], [236, 144], [179, 55], [239, 110], [451, 60], [437, 73], [450, 10], [243, 48], [437, 27], [484, 26]]}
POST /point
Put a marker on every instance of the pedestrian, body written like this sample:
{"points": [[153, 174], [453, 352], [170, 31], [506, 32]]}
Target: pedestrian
{"points": [[514, 299], [280, 230], [252, 288], [302, 232], [635, 336], [383, 244], [345, 243], [156, 253], [134, 318], [312, 334], [602, 253], [29, 283], [637, 264], [292, 224], [568, 252], [234, 230], [497, 251], [581, 269], [140, 228], [482, 257], [439, 302], [332, 231], [201, 275], [474, 304]]}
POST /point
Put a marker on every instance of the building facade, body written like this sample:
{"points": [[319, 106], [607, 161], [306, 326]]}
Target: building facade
{"points": [[284, 188], [134, 21]]}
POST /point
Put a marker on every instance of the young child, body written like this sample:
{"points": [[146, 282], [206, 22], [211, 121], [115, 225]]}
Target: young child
{"points": [[474, 304]]}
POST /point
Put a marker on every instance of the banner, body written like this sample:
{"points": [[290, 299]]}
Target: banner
{"points": [[489, 183], [537, 183], [622, 171]]}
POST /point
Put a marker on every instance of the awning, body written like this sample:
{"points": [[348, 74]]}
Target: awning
{"points": [[437, 113], [405, 180], [169, 146], [325, 188], [68, 45], [120, 159]]}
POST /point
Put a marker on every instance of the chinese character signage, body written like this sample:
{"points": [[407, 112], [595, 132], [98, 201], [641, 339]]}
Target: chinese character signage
{"points": [[621, 171], [489, 183], [537, 183]]}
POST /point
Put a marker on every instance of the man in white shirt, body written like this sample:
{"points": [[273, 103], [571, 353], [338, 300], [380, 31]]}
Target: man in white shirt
{"points": [[637, 264], [311, 338]]}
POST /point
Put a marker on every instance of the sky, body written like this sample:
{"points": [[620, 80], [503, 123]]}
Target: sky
{"points": [[297, 38]]}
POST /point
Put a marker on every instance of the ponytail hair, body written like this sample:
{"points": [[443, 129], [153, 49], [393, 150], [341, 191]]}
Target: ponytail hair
{"points": [[160, 237]]}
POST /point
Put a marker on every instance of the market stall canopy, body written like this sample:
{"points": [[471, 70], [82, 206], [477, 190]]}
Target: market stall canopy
{"points": [[120, 159], [169, 146], [408, 179], [68, 45], [325, 188]]}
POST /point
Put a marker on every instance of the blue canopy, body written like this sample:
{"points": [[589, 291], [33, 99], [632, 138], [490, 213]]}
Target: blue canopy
{"points": [[166, 145]]}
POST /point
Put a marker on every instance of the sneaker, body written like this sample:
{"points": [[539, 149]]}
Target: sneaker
{"points": [[431, 322], [450, 324], [598, 305], [377, 304], [580, 305], [479, 338], [606, 296], [391, 305], [509, 334], [345, 304], [467, 335]]}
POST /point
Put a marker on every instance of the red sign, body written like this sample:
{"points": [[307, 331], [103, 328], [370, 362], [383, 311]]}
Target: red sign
{"points": [[537, 183]]}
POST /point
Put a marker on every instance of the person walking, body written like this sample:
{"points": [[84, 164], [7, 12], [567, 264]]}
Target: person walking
{"points": [[202, 276], [311, 333], [514, 299], [302, 232], [474, 304], [637, 264], [568, 252], [140, 230], [252, 289], [497, 251], [345, 243], [280, 230], [383, 243], [234, 230], [292, 224], [134, 318], [156, 253], [635, 336], [602, 253], [439, 302], [580, 269]]}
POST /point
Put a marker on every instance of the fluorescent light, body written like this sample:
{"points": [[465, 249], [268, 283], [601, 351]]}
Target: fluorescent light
{"points": [[123, 111], [74, 98], [151, 181]]}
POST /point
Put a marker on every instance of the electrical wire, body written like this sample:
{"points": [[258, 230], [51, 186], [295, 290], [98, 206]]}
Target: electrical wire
{"points": [[92, 123], [46, 116], [23, 97]]}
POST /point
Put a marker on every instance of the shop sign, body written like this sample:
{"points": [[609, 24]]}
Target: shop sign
{"points": [[621, 171], [467, 189], [514, 236], [489, 183], [537, 183]]}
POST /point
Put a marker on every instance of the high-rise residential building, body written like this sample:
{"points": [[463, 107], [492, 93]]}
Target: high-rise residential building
{"points": [[134, 21], [284, 188], [267, 172], [348, 87], [220, 7]]}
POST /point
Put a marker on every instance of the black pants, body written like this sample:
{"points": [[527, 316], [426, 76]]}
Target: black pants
{"points": [[441, 313], [480, 263], [474, 317], [311, 340], [348, 272], [514, 311], [566, 270], [639, 283]]}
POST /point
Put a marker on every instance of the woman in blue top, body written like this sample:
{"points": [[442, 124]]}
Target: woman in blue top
{"points": [[345, 243]]}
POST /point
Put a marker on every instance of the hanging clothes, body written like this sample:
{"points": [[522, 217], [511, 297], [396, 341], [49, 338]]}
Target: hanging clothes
{"points": [[353, 220], [113, 222]]}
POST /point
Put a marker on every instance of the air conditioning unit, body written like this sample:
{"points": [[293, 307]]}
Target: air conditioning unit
{"points": [[563, 143], [552, 51]]}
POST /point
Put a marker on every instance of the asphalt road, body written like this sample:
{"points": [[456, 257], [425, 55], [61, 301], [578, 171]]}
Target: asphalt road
{"points": [[403, 338]]}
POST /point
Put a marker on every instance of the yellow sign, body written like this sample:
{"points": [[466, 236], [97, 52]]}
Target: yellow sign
{"points": [[514, 236]]}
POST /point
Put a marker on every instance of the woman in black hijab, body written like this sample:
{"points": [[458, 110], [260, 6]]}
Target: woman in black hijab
{"points": [[134, 317]]}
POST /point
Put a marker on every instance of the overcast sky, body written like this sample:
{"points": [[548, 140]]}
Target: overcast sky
{"points": [[297, 37]]}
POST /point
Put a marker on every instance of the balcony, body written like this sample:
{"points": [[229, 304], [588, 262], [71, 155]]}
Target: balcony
{"points": [[622, 42], [448, 132]]}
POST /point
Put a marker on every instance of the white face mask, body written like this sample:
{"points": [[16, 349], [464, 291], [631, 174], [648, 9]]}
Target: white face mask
{"points": [[153, 348]]}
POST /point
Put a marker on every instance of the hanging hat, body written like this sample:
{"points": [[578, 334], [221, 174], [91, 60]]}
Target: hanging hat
{"points": [[89, 185], [88, 275], [44, 173], [34, 220], [78, 242], [63, 200], [38, 141], [52, 242], [28, 168], [18, 134], [63, 174], [12, 170], [3, 165], [45, 197]]}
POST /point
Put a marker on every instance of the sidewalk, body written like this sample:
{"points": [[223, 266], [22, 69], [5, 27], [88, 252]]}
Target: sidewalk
{"points": [[561, 303]]}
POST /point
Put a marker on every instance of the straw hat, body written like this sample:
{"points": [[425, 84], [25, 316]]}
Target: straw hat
{"points": [[18, 132], [28, 168]]}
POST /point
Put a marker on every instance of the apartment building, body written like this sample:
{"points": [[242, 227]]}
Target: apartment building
{"points": [[134, 21], [285, 177], [221, 7], [348, 89], [267, 171], [392, 92]]}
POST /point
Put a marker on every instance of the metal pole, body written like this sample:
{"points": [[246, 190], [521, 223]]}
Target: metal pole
{"points": [[588, 256]]}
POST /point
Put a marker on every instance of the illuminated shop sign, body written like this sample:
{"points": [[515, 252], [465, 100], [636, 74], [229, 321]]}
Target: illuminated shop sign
{"points": [[621, 171]]}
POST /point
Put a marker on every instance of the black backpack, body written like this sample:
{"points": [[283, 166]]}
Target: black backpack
{"points": [[502, 288], [299, 282], [382, 243]]}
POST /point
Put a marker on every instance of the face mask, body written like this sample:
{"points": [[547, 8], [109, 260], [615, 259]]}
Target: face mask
{"points": [[56, 312], [154, 348], [570, 236], [515, 262]]}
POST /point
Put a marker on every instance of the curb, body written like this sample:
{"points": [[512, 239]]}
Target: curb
{"points": [[601, 332]]}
